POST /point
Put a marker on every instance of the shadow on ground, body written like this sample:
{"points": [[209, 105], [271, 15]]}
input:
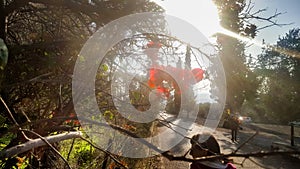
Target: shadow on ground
{"points": [[262, 142]]}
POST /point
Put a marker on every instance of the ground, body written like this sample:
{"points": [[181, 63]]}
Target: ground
{"points": [[262, 141]]}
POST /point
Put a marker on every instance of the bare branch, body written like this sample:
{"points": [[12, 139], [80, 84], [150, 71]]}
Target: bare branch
{"points": [[247, 15], [222, 156], [250, 6], [51, 139], [9, 112], [12, 117], [47, 143], [274, 24], [21, 148], [255, 134], [106, 152], [172, 157], [259, 11]]}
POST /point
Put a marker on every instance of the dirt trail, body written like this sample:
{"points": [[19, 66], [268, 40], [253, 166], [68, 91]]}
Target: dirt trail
{"points": [[263, 141]]}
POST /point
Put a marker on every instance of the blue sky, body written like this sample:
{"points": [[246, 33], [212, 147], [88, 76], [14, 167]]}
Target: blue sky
{"points": [[290, 8], [198, 12], [292, 15]]}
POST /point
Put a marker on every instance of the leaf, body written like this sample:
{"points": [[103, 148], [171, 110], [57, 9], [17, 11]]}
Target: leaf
{"points": [[81, 58], [109, 113], [2, 120], [105, 67], [137, 95]]}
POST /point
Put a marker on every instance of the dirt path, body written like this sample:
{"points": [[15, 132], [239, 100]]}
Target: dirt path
{"points": [[180, 149], [263, 141]]}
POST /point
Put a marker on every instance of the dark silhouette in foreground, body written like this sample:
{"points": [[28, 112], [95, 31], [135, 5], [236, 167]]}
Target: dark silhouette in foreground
{"points": [[207, 145]]}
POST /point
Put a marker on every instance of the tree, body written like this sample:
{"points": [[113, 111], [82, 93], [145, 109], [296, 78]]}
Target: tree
{"points": [[279, 68], [232, 52], [237, 16], [44, 38], [43, 56]]}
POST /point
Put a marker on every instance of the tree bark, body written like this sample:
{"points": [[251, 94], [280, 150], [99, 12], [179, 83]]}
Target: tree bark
{"points": [[21, 148], [2, 20]]}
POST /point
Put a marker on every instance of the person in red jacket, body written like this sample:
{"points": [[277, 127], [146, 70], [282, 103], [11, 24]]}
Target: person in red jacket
{"points": [[161, 78], [159, 75]]}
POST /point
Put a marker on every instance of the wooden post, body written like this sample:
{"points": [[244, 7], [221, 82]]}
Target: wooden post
{"points": [[292, 135]]}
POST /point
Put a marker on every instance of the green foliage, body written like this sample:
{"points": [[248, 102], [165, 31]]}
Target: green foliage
{"points": [[45, 39], [82, 153], [109, 114], [241, 81], [4, 141], [2, 120], [280, 87]]}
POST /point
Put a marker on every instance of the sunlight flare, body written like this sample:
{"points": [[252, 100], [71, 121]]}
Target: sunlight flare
{"points": [[284, 51], [203, 14]]}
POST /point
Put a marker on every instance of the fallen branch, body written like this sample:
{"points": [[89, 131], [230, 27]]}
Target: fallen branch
{"points": [[50, 145], [172, 157], [255, 134], [60, 137], [21, 148], [106, 152], [221, 156]]}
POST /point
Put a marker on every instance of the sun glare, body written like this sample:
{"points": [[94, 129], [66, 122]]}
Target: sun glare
{"points": [[286, 52], [202, 14]]}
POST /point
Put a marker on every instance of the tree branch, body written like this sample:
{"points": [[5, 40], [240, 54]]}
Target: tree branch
{"points": [[222, 156], [12, 117], [9, 112], [49, 144], [51, 139], [255, 134], [255, 15], [21, 148], [172, 157], [106, 152]]}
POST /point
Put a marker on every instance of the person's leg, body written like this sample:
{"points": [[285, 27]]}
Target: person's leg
{"points": [[235, 135], [232, 134]]}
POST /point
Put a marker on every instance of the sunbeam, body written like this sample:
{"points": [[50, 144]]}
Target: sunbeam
{"points": [[284, 51]]}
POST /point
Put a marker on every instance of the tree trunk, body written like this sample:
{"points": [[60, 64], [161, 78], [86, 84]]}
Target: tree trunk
{"points": [[2, 20]]}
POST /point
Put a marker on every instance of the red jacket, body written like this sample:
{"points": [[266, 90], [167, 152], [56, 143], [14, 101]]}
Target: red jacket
{"points": [[159, 74]]}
